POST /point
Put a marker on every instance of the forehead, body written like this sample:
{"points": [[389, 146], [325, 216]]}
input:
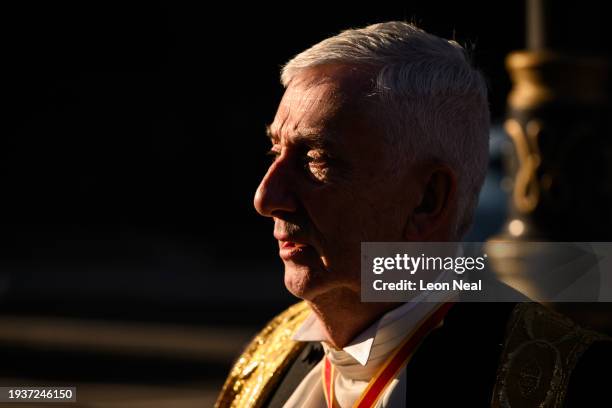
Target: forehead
{"points": [[321, 100]]}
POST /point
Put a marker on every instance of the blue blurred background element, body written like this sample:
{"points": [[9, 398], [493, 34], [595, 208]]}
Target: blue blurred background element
{"points": [[493, 201]]}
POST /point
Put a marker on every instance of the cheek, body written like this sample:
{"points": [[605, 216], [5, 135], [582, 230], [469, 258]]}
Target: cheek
{"points": [[345, 217], [324, 204], [342, 217], [380, 216]]}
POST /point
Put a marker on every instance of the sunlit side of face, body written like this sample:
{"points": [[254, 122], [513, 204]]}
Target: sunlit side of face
{"points": [[328, 188]]}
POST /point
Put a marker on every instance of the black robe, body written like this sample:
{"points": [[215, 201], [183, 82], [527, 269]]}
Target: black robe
{"points": [[457, 364]]}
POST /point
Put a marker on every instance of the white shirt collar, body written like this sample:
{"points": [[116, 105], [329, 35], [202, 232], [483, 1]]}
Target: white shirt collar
{"points": [[411, 314]]}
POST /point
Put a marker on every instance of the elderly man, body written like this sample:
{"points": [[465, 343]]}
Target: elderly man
{"points": [[381, 135]]}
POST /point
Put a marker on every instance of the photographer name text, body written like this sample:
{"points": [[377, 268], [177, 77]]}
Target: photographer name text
{"points": [[421, 285]]}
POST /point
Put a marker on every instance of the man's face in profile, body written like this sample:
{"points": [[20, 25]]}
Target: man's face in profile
{"points": [[329, 187]]}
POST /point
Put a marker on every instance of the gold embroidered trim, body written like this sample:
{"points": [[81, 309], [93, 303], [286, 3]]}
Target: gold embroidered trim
{"points": [[264, 360]]}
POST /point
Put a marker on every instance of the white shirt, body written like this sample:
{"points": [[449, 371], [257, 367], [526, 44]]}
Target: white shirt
{"points": [[357, 362]]}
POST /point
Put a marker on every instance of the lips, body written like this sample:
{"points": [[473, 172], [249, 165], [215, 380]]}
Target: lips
{"points": [[284, 239], [292, 244], [290, 252], [292, 248]]}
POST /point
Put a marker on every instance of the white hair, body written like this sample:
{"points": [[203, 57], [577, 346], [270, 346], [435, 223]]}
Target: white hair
{"points": [[429, 99]]}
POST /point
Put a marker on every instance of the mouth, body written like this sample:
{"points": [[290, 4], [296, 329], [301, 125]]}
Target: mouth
{"points": [[291, 249], [291, 244]]}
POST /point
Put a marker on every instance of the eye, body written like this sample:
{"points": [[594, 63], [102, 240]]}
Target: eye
{"points": [[316, 164]]}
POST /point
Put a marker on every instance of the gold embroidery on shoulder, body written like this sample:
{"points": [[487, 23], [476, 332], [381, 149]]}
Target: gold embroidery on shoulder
{"points": [[264, 360]]}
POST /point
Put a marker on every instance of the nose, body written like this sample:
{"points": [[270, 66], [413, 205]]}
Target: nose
{"points": [[275, 194]]}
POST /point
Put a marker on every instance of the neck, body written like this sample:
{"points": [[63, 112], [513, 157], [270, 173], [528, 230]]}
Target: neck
{"points": [[344, 316]]}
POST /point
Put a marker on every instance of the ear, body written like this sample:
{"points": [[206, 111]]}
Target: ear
{"points": [[431, 219]]}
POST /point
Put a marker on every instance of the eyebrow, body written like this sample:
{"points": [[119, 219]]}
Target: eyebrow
{"points": [[273, 138], [312, 138]]}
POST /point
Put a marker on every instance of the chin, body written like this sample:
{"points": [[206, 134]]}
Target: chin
{"points": [[304, 282]]}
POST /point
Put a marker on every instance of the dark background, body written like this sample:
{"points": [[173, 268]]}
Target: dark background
{"points": [[133, 142], [134, 138]]}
